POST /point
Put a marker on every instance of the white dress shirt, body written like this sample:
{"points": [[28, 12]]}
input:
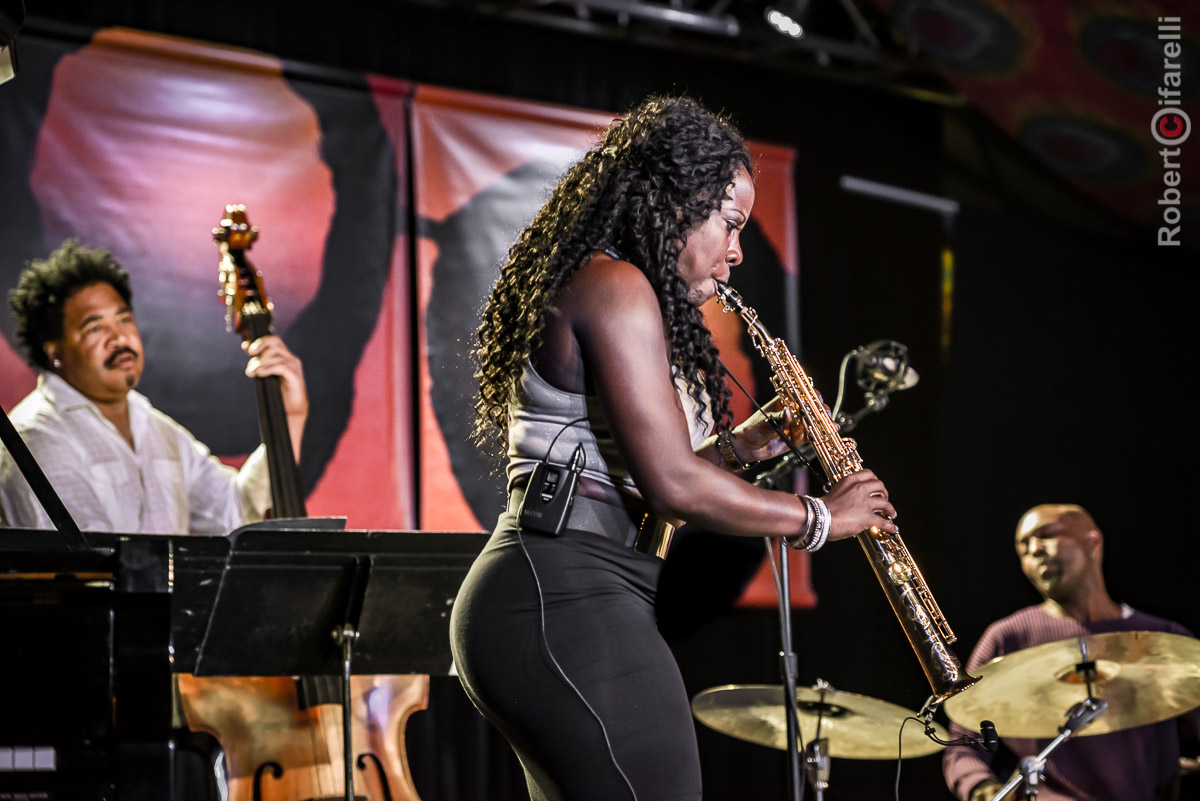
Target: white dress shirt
{"points": [[167, 483]]}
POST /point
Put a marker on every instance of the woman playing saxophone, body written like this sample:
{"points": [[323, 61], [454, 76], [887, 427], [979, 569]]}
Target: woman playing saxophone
{"points": [[597, 375]]}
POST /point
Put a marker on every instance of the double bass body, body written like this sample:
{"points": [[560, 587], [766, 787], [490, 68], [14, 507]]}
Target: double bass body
{"points": [[277, 751]]}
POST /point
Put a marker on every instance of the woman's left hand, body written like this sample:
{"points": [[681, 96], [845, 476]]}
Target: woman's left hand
{"points": [[756, 439]]}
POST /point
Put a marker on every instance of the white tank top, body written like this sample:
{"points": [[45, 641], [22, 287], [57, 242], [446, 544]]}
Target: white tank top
{"points": [[541, 411]]}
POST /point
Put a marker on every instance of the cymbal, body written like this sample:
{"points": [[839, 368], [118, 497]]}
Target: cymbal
{"points": [[1145, 676], [857, 726]]}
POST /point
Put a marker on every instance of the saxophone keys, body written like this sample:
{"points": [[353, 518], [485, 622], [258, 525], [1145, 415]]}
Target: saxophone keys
{"points": [[899, 573]]}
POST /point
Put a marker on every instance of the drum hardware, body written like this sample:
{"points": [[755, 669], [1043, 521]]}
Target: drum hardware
{"points": [[816, 753], [1029, 771], [846, 725], [1145, 676], [1107, 682], [853, 726], [816, 766]]}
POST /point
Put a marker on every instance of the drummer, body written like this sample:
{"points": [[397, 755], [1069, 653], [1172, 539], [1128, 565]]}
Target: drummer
{"points": [[1061, 549]]}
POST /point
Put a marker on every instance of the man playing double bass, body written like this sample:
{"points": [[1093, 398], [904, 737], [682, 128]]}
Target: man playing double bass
{"points": [[118, 463], [1061, 550], [121, 465]]}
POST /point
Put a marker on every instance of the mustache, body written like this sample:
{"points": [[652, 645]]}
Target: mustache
{"points": [[111, 361]]}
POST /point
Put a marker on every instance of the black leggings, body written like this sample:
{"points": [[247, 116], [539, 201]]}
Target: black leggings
{"points": [[637, 740]]}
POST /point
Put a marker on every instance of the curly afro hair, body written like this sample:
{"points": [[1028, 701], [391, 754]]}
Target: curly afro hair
{"points": [[655, 176], [45, 286]]}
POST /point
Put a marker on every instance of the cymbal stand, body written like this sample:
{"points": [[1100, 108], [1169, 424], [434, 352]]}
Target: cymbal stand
{"points": [[1079, 716], [1029, 772], [816, 755], [816, 762]]}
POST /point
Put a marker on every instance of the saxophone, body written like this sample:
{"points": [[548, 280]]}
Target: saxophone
{"points": [[923, 622]]}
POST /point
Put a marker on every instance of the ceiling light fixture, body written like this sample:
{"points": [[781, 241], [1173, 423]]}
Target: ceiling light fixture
{"points": [[788, 17]]}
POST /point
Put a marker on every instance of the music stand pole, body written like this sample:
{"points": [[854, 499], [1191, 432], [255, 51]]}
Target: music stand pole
{"points": [[787, 669], [345, 636]]}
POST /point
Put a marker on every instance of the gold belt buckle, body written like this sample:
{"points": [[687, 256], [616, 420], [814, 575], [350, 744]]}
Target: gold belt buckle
{"points": [[654, 536]]}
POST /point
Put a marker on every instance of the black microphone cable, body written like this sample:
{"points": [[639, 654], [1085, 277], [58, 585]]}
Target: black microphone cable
{"points": [[987, 741], [578, 462]]}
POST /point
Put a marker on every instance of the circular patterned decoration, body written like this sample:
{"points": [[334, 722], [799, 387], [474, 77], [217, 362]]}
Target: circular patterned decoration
{"points": [[1130, 54], [963, 34], [1083, 149]]}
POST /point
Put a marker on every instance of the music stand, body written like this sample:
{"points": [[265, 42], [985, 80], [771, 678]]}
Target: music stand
{"points": [[298, 601]]}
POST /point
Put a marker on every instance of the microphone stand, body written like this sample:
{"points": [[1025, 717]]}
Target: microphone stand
{"points": [[874, 402], [787, 669], [1029, 772]]}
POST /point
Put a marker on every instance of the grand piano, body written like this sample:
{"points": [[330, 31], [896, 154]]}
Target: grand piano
{"points": [[92, 627]]}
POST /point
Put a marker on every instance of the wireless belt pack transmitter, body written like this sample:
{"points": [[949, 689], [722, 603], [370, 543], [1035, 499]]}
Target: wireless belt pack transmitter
{"points": [[550, 495]]}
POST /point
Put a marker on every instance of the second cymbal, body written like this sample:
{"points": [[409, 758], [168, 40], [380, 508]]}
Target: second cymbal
{"points": [[1145, 676], [857, 726]]}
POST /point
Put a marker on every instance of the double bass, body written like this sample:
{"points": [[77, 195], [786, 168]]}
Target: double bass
{"points": [[284, 737]]}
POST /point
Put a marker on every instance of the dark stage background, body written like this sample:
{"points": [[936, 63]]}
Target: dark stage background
{"points": [[1065, 378]]}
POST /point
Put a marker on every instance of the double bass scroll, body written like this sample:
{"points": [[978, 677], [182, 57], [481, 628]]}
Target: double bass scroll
{"points": [[249, 312]]}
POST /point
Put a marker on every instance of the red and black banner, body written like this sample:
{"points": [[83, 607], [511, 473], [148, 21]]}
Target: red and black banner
{"points": [[136, 142]]}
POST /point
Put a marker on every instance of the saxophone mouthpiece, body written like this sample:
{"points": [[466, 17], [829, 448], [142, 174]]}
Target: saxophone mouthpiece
{"points": [[727, 296]]}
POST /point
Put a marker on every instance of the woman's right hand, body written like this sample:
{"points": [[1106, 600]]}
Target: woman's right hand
{"points": [[858, 502]]}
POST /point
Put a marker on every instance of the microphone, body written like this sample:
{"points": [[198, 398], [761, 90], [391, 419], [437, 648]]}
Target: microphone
{"points": [[883, 367], [990, 740], [987, 740]]}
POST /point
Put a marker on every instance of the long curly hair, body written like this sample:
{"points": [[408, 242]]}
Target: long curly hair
{"points": [[655, 176]]}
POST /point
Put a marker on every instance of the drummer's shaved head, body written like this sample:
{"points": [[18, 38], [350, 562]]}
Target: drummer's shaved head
{"points": [[1061, 553], [1043, 514]]}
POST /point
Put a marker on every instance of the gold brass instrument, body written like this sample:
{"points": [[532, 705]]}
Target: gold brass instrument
{"points": [[923, 622]]}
